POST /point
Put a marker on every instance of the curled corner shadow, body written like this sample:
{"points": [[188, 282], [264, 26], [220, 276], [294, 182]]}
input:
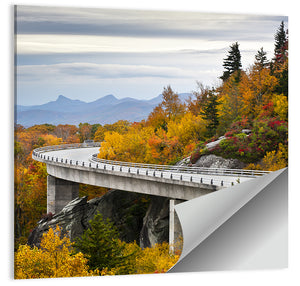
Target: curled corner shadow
{"points": [[239, 228]]}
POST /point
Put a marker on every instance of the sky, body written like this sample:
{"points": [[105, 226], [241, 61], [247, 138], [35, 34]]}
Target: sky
{"points": [[87, 53]]}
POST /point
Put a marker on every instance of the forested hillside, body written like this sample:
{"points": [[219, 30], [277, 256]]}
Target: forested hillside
{"points": [[249, 108], [254, 99]]}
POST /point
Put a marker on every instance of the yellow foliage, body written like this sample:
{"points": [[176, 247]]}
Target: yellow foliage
{"points": [[130, 147], [187, 129], [275, 160], [232, 100], [272, 161], [53, 259], [281, 106], [51, 140], [149, 144], [253, 166], [156, 259]]}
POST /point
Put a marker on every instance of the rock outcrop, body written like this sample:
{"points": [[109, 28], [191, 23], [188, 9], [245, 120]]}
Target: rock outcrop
{"points": [[156, 223], [213, 161], [138, 217]]}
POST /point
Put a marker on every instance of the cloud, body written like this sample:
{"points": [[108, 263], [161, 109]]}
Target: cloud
{"points": [[51, 44], [74, 72], [153, 24], [91, 51]]}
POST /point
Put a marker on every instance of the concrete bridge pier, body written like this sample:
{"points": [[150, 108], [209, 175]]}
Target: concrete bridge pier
{"points": [[59, 193], [175, 232]]}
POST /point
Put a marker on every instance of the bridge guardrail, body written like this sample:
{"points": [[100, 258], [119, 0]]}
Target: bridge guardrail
{"points": [[163, 171], [186, 169], [66, 146]]}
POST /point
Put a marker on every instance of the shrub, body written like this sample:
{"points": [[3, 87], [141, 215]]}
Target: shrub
{"points": [[267, 135]]}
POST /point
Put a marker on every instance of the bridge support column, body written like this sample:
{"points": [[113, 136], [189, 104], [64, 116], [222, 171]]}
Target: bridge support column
{"points": [[175, 232], [60, 193]]}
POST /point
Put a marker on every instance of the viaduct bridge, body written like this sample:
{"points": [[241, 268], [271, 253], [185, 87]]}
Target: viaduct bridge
{"points": [[69, 165]]}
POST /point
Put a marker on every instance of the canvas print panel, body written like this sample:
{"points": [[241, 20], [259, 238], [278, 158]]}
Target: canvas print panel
{"points": [[121, 115]]}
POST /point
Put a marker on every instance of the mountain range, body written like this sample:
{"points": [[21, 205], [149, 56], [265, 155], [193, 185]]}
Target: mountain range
{"points": [[105, 110]]}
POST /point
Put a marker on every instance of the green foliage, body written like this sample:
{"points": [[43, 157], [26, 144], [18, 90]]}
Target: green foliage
{"points": [[261, 60], [280, 61], [210, 114], [100, 244], [280, 43], [232, 64]]}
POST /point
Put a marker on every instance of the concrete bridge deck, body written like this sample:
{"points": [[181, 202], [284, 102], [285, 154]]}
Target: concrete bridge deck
{"points": [[75, 163], [69, 165], [84, 157]]}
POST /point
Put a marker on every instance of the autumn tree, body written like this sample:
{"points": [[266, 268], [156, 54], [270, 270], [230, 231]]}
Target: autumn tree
{"points": [[195, 106], [67, 132], [84, 131], [30, 183], [163, 149], [232, 105], [171, 103], [30, 198], [158, 118], [54, 258], [99, 134], [189, 130], [232, 63], [121, 127], [156, 259], [94, 129]]}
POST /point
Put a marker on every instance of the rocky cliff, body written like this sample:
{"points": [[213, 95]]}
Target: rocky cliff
{"points": [[130, 212]]}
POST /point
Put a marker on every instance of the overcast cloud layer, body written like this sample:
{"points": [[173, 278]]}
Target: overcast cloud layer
{"points": [[88, 53]]}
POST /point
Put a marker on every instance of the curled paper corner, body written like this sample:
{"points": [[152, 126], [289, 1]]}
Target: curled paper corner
{"points": [[252, 218]]}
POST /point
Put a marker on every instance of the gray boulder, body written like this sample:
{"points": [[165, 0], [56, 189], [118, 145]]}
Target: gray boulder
{"points": [[213, 161]]}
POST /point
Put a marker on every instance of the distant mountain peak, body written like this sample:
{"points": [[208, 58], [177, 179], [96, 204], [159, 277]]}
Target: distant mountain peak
{"points": [[105, 110], [61, 97], [109, 96], [107, 99]]}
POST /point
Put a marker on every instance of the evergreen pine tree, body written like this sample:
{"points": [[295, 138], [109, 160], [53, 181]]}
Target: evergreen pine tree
{"points": [[210, 113], [232, 63], [280, 43], [279, 65], [261, 60], [100, 244]]}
